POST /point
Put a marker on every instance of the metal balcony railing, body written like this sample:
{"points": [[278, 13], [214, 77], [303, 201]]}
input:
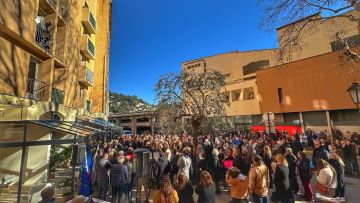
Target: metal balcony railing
{"points": [[92, 20], [89, 76], [63, 9], [43, 36], [52, 3], [59, 50], [57, 96], [36, 89], [91, 47]]}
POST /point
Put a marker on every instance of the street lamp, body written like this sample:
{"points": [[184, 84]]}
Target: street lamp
{"points": [[354, 91]]}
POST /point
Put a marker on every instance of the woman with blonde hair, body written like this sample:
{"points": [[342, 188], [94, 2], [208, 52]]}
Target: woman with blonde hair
{"points": [[184, 189], [166, 193], [206, 188], [283, 192], [267, 156]]}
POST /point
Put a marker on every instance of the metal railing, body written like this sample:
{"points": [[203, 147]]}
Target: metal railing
{"points": [[57, 96], [91, 47], [63, 9], [36, 89], [43, 36], [52, 3], [59, 50], [89, 76], [92, 20]]}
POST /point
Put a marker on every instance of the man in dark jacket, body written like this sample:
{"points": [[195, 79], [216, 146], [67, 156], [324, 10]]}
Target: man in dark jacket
{"points": [[296, 145], [118, 176], [162, 167], [319, 152], [102, 176], [291, 159]]}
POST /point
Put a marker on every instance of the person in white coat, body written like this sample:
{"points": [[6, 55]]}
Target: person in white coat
{"points": [[326, 174]]}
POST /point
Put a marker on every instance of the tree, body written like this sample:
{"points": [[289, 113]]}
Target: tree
{"points": [[196, 98], [281, 12]]}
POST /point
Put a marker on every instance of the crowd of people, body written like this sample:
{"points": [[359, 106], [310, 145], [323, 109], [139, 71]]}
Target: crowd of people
{"points": [[247, 164]]}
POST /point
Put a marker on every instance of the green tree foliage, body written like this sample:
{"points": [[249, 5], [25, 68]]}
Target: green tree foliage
{"points": [[120, 103]]}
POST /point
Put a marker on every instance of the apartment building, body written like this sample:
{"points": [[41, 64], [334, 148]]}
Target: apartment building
{"points": [[54, 60], [239, 70], [305, 88]]}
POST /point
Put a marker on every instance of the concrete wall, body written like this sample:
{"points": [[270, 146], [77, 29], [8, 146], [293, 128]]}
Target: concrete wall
{"points": [[312, 84], [99, 96], [316, 37]]}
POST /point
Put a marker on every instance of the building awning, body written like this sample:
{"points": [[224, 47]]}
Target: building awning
{"points": [[79, 127]]}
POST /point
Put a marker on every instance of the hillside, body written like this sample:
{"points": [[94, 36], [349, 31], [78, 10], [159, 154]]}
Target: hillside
{"points": [[120, 103]]}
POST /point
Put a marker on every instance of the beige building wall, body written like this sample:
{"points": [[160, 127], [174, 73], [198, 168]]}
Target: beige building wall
{"points": [[238, 86], [61, 66], [316, 37]]}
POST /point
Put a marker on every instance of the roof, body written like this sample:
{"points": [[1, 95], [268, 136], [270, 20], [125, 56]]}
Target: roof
{"points": [[301, 19], [229, 52]]}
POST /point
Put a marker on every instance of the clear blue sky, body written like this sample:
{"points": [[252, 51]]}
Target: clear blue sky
{"points": [[152, 37]]}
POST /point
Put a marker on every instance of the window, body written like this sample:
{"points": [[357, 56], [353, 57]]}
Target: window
{"points": [[81, 93], [352, 42], [280, 96], [249, 93], [193, 66], [226, 76], [254, 66], [236, 95], [88, 105]]}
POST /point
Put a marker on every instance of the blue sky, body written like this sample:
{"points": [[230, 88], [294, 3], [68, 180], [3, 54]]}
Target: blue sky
{"points": [[152, 37]]}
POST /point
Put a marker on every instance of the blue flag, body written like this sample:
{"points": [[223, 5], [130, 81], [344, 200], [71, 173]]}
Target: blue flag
{"points": [[85, 175]]}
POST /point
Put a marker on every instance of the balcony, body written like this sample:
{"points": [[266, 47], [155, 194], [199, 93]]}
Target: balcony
{"points": [[43, 36], [59, 54], [63, 11], [57, 96], [88, 20], [87, 48], [36, 89], [48, 6], [86, 76]]}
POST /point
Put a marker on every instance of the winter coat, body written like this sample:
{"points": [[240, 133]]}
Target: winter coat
{"points": [[186, 193], [291, 159], [327, 177], [259, 180], [162, 164], [239, 187], [102, 175], [118, 175], [207, 194], [184, 164], [304, 169], [320, 153], [282, 183]]}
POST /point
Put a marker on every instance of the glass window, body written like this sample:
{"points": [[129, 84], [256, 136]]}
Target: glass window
{"points": [[10, 159], [11, 132], [236, 95], [249, 93]]}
